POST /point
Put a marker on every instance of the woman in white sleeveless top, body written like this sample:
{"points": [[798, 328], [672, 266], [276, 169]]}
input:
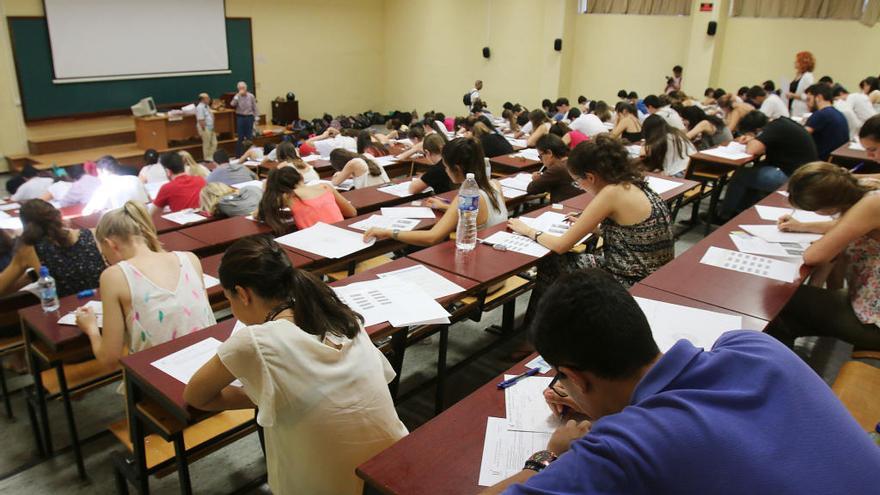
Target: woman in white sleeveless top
{"points": [[148, 296], [361, 169], [461, 156]]}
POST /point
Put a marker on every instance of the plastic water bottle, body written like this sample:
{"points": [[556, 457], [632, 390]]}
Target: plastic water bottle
{"points": [[468, 209], [875, 435], [48, 294]]}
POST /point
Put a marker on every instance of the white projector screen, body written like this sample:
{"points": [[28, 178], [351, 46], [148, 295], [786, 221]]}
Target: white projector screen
{"points": [[94, 40]]}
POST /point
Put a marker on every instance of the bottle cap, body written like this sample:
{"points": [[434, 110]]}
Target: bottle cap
{"points": [[469, 176], [877, 428], [44, 271]]}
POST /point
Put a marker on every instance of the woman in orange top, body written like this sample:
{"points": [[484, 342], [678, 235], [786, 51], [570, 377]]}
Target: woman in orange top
{"points": [[308, 204]]}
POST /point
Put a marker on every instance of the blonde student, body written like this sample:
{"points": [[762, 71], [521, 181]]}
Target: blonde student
{"points": [[305, 362], [149, 296]]}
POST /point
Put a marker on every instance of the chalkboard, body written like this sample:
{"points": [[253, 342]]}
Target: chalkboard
{"points": [[41, 99]]}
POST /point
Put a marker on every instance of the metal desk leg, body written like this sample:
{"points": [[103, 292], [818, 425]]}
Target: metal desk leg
{"points": [[40, 393], [71, 422], [182, 465], [136, 435], [398, 349], [441, 369]]}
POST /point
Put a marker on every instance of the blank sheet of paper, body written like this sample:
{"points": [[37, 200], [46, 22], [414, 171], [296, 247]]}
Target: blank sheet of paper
{"points": [[660, 186], [672, 322], [432, 283], [408, 212], [326, 240], [183, 217], [774, 212], [505, 451]]}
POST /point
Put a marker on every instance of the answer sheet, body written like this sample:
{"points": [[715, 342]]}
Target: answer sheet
{"points": [[311, 158], [529, 154], [96, 306], [400, 190], [408, 212], [510, 193], [733, 151], [659, 185], [384, 161], [385, 299], [184, 217], [517, 243], [525, 406], [505, 451], [518, 181], [539, 363], [254, 183], [183, 364], [326, 240], [746, 243], [521, 143], [771, 233], [672, 322], [751, 264], [773, 213], [382, 222], [552, 223], [432, 283]]}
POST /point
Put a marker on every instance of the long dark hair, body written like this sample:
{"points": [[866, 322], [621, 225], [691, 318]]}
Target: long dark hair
{"points": [[261, 265], [605, 156], [281, 181], [821, 185], [340, 156], [40, 220], [656, 129], [365, 141], [466, 155], [694, 115], [286, 151]]}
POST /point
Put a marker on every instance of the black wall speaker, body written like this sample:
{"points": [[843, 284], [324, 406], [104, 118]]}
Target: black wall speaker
{"points": [[557, 44], [713, 26], [486, 52]]}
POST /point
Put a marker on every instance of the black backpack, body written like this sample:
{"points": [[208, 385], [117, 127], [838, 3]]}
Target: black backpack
{"points": [[466, 99]]}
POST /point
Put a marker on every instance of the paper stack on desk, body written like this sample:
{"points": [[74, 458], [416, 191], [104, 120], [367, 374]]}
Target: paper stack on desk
{"points": [[394, 300], [325, 240], [517, 243]]}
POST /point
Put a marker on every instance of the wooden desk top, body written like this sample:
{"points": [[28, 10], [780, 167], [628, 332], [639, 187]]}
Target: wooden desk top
{"points": [[384, 329], [717, 160], [45, 325], [369, 199], [848, 156], [513, 164], [162, 387], [751, 295], [176, 241], [410, 465], [219, 234], [162, 225], [164, 115]]}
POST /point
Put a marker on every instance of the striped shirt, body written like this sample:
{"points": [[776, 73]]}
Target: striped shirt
{"points": [[245, 105]]}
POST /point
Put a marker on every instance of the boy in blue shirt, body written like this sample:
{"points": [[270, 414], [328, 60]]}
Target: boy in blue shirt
{"points": [[827, 125], [747, 416]]}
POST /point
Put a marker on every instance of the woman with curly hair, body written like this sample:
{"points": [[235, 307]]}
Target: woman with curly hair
{"points": [[804, 63]]}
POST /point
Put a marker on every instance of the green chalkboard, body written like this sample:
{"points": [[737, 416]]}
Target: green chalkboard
{"points": [[41, 99]]}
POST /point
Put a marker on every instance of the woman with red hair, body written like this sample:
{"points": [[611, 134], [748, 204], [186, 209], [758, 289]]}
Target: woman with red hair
{"points": [[804, 63]]}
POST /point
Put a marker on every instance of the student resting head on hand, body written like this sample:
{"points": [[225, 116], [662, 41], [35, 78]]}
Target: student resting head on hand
{"points": [[304, 360], [309, 205]]}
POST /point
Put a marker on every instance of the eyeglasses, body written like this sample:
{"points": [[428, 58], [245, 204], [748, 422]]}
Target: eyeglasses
{"points": [[554, 385]]}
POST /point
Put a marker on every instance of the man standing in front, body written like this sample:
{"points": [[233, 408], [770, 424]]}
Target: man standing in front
{"points": [[245, 104], [205, 125]]}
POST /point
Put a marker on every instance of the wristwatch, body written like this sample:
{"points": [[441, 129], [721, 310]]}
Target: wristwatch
{"points": [[537, 234], [395, 233], [540, 460]]}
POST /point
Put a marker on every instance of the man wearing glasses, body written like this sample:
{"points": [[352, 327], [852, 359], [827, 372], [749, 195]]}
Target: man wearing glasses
{"points": [[747, 416]]}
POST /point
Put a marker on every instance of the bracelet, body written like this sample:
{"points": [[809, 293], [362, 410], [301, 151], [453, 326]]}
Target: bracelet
{"points": [[395, 233]]}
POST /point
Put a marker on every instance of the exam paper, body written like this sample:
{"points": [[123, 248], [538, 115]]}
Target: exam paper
{"points": [[505, 451], [751, 264], [432, 283], [385, 299], [378, 221], [4, 215], [660, 186], [209, 281], [539, 363], [384, 161], [255, 183], [408, 212], [400, 190], [733, 151], [251, 163], [97, 307], [238, 326], [672, 322], [525, 406], [326, 240], [746, 243], [510, 193], [552, 223], [518, 181], [771, 233], [634, 150], [311, 158], [774, 213], [522, 143], [11, 223], [517, 243], [183, 364], [153, 188], [528, 153], [184, 217], [857, 146], [9, 206]]}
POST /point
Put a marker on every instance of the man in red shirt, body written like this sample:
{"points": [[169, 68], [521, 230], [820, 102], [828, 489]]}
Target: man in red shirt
{"points": [[183, 190]]}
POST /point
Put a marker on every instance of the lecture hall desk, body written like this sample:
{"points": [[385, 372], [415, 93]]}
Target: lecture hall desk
{"points": [[158, 131], [582, 200], [510, 164], [758, 297], [456, 436], [848, 157], [216, 236], [369, 199], [162, 225]]}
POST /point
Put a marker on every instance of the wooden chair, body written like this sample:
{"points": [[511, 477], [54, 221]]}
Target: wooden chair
{"points": [[858, 387]]}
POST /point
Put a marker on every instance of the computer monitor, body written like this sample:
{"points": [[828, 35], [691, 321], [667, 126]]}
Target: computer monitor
{"points": [[144, 107]]}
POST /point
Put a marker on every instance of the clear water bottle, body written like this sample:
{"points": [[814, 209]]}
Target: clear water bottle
{"points": [[468, 209], [875, 435], [48, 294]]}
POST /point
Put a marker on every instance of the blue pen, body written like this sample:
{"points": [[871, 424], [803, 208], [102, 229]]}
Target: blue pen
{"points": [[512, 381], [857, 167], [85, 293]]}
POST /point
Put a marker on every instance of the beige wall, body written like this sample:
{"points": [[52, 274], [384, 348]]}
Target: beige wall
{"points": [[12, 136]]}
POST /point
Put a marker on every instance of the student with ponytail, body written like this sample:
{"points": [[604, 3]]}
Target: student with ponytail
{"points": [[851, 241], [148, 296], [319, 384], [71, 255], [363, 171], [308, 204]]}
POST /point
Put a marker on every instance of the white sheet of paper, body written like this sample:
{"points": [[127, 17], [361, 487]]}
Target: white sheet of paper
{"points": [[183, 364], [660, 186], [251, 163], [505, 451], [393, 300], [510, 193], [9, 206], [522, 143], [517, 243], [525, 406], [551, 223], [539, 363], [384, 161], [435, 285], [634, 150], [855, 145], [184, 217], [255, 183], [672, 322], [773, 213], [326, 240], [784, 193], [210, 281], [400, 190], [11, 223], [97, 307], [153, 188], [733, 151], [518, 181], [378, 221], [747, 243], [528, 153], [771, 233], [753, 265], [4, 215], [311, 158], [404, 141], [408, 212]]}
